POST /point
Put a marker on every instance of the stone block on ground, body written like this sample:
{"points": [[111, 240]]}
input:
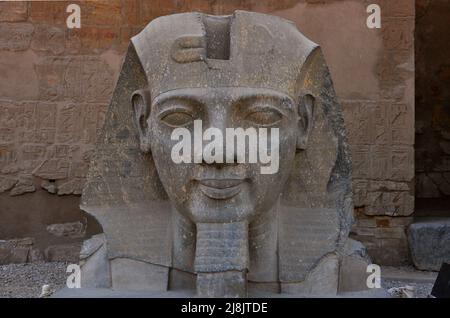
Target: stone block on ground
{"points": [[70, 229], [15, 250], [63, 253], [429, 241]]}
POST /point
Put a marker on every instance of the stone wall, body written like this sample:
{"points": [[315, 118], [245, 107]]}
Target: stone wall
{"points": [[433, 102], [55, 85]]}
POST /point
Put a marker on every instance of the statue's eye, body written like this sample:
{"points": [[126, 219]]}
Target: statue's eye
{"points": [[177, 119], [266, 117]]}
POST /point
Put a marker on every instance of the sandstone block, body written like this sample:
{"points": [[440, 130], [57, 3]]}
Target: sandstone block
{"points": [[13, 11], [15, 36], [48, 39]]}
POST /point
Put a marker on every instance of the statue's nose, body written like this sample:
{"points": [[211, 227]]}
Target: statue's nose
{"points": [[215, 129]]}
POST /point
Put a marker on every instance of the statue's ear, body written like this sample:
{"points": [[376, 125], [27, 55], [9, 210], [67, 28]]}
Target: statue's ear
{"points": [[305, 123], [140, 101]]}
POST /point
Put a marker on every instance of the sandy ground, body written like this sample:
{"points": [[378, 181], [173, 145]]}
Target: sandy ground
{"points": [[422, 290], [26, 280], [421, 281]]}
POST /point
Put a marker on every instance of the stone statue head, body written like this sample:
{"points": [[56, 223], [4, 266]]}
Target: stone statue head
{"points": [[225, 212], [219, 71]]}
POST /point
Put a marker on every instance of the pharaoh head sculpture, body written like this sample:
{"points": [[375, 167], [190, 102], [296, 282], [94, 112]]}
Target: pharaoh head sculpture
{"points": [[224, 223], [222, 72]]}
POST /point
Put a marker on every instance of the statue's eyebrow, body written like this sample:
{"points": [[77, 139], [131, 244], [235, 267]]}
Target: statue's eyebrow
{"points": [[266, 96], [242, 97], [169, 97]]}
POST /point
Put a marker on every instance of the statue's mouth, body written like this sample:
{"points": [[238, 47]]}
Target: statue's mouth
{"points": [[220, 189]]}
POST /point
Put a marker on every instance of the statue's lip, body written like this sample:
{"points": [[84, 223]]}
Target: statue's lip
{"points": [[220, 189], [220, 183]]}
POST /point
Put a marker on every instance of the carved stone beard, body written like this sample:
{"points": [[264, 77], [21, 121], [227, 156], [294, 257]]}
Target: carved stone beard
{"points": [[221, 259], [221, 254]]}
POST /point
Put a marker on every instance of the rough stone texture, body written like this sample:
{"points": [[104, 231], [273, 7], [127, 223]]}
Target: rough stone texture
{"points": [[128, 274], [16, 36], [23, 185], [322, 281], [7, 184], [72, 230], [384, 237], [378, 63], [94, 262], [353, 268], [13, 11], [48, 39], [49, 186], [229, 284], [15, 251], [63, 253], [429, 240], [109, 293], [289, 230]]}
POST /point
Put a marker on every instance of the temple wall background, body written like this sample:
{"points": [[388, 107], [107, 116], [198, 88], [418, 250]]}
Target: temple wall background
{"points": [[55, 85]]}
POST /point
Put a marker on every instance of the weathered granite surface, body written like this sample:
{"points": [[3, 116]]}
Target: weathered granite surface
{"points": [[429, 241], [285, 232]]}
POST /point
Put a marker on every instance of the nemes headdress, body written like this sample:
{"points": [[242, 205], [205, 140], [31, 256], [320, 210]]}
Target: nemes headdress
{"points": [[244, 49]]}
